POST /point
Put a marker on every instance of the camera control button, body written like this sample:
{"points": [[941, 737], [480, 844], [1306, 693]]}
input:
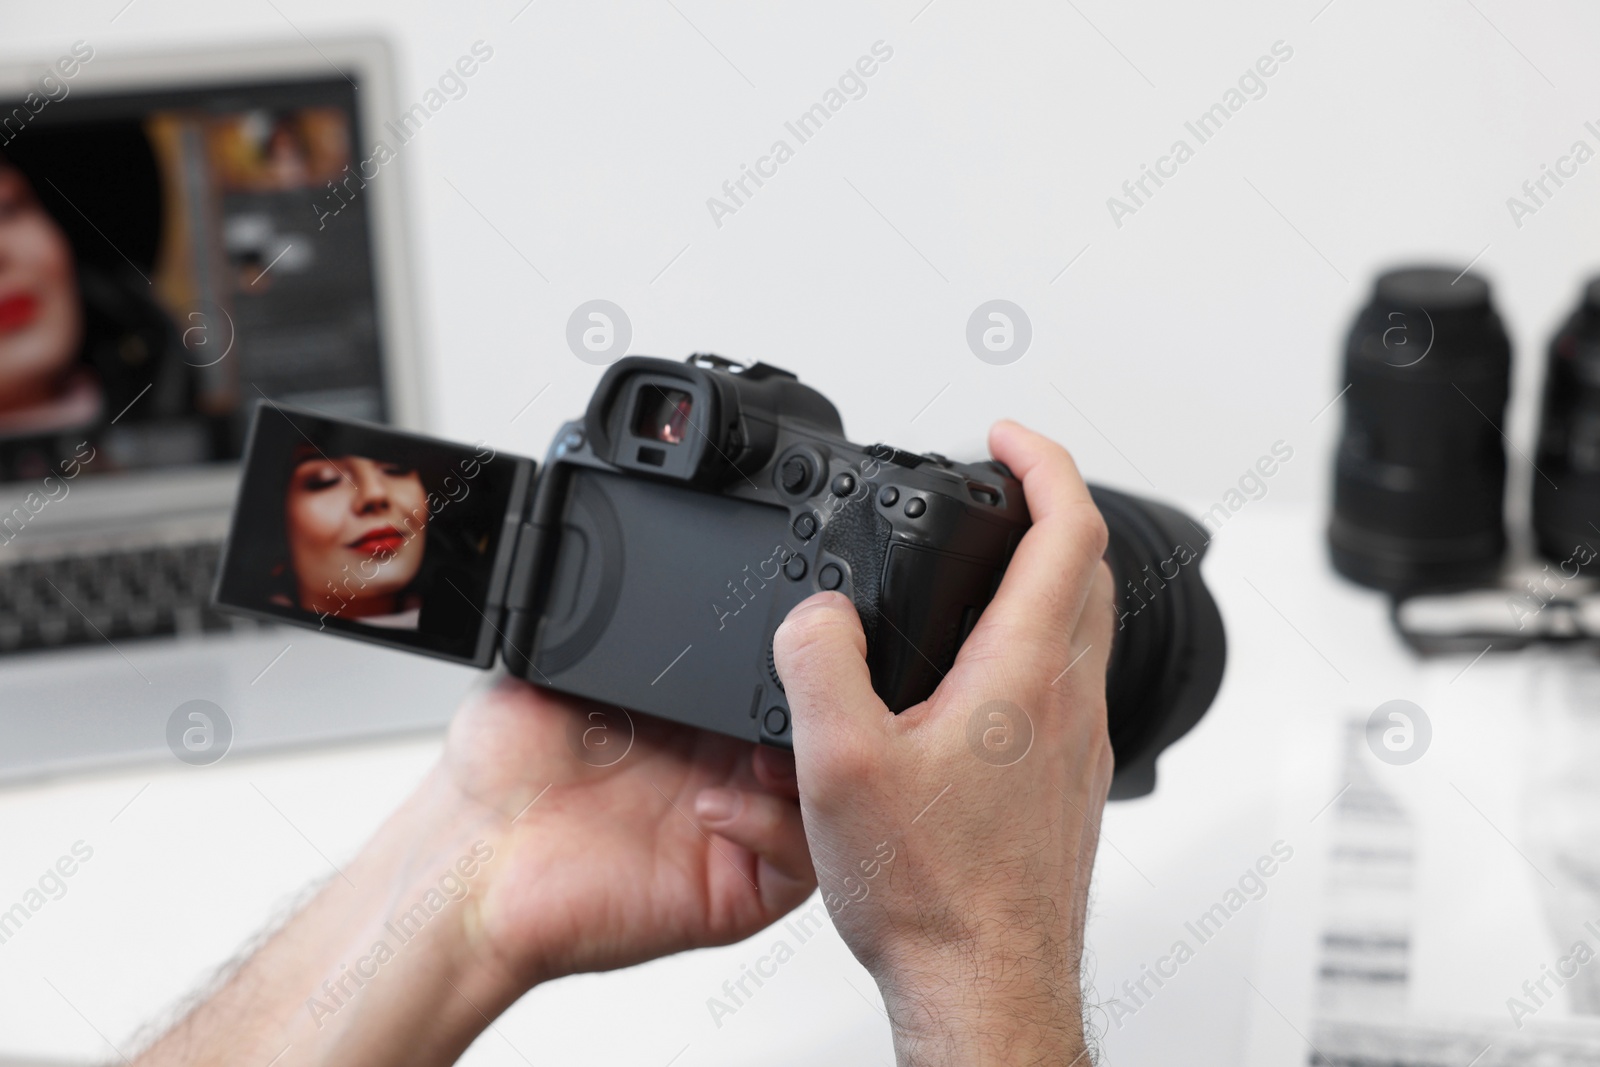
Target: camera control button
{"points": [[915, 507], [830, 576], [795, 568], [805, 527], [794, 474], [776, 721], [844, 485], [888, 495]]}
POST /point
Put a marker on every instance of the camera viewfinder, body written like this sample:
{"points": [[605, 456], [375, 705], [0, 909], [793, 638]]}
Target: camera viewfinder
{"points": [[662, 414]]}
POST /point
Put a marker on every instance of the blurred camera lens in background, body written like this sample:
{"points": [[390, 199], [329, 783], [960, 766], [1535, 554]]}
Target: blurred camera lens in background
{"points": [[1419, 481], [1566, 491], [663, 414]]}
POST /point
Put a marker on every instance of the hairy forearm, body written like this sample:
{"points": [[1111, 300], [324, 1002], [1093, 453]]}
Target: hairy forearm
{"points": [[1001, 1037], [974, 1021], [384, 966], [1003, 992]]}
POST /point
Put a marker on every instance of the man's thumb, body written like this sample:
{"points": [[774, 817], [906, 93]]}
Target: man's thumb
{"points": [[821, 655]]}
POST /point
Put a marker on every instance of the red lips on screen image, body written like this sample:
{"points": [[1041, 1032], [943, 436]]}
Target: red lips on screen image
{"points": [[17, 310], [383, 541]]}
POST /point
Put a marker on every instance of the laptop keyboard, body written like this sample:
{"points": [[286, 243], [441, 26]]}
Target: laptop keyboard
{"points": [[159, 591]]}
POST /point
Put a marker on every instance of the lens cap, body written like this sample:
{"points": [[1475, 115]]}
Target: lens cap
{"points": [[1420, 476]]}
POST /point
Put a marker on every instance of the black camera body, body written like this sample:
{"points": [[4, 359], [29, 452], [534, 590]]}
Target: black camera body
{"points": [[627, 590], [671, 531]]}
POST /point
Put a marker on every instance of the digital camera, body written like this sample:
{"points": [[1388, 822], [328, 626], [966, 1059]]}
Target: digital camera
{"points": [[671, 530]]}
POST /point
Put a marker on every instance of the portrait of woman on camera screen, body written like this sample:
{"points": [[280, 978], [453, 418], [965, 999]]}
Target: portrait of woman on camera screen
{"points": [[350, 527], [356, 533]]}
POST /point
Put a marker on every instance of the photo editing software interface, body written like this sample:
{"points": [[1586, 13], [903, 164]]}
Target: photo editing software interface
{"points": [[164, 264]]}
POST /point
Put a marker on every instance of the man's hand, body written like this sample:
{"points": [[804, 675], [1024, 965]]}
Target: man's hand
{"points": [[954, 842], [643, 838], [558, 835], [545, 842]]}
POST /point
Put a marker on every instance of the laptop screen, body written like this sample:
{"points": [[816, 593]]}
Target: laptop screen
{"points": [[167, 259]]}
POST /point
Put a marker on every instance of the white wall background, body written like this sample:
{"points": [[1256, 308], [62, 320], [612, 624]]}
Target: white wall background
{"points": [[1191, 338], [1174, 351]]}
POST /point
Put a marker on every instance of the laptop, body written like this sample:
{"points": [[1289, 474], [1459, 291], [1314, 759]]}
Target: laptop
{"points": [[181, 238]]}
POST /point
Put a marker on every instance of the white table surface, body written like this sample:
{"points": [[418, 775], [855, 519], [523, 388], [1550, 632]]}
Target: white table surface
{"points": [[188, 863]]}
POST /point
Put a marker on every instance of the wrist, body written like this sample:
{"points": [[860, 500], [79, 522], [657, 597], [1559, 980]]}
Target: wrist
{"points": [[414, 931], [458, 847], [1015, 1008], [383, 966]]}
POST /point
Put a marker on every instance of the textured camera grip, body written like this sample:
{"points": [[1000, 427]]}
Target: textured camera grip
{"points": [[859, 535]]}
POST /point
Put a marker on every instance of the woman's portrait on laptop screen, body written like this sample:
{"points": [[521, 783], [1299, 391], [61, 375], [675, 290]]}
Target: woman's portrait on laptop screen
{"points": [[161, 269]]}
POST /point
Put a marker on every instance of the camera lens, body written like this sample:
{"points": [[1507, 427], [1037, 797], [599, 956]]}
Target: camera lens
{"points": [[1566, 486], [662, 414], [1420, 476], [1169, 649]]}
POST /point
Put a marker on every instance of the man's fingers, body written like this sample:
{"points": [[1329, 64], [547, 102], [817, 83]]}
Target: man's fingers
{"points": [[770, 827], [1096, 625], [1090, 650], [774, 769], [1046, 470], [1041, 597], [821, 655]]}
